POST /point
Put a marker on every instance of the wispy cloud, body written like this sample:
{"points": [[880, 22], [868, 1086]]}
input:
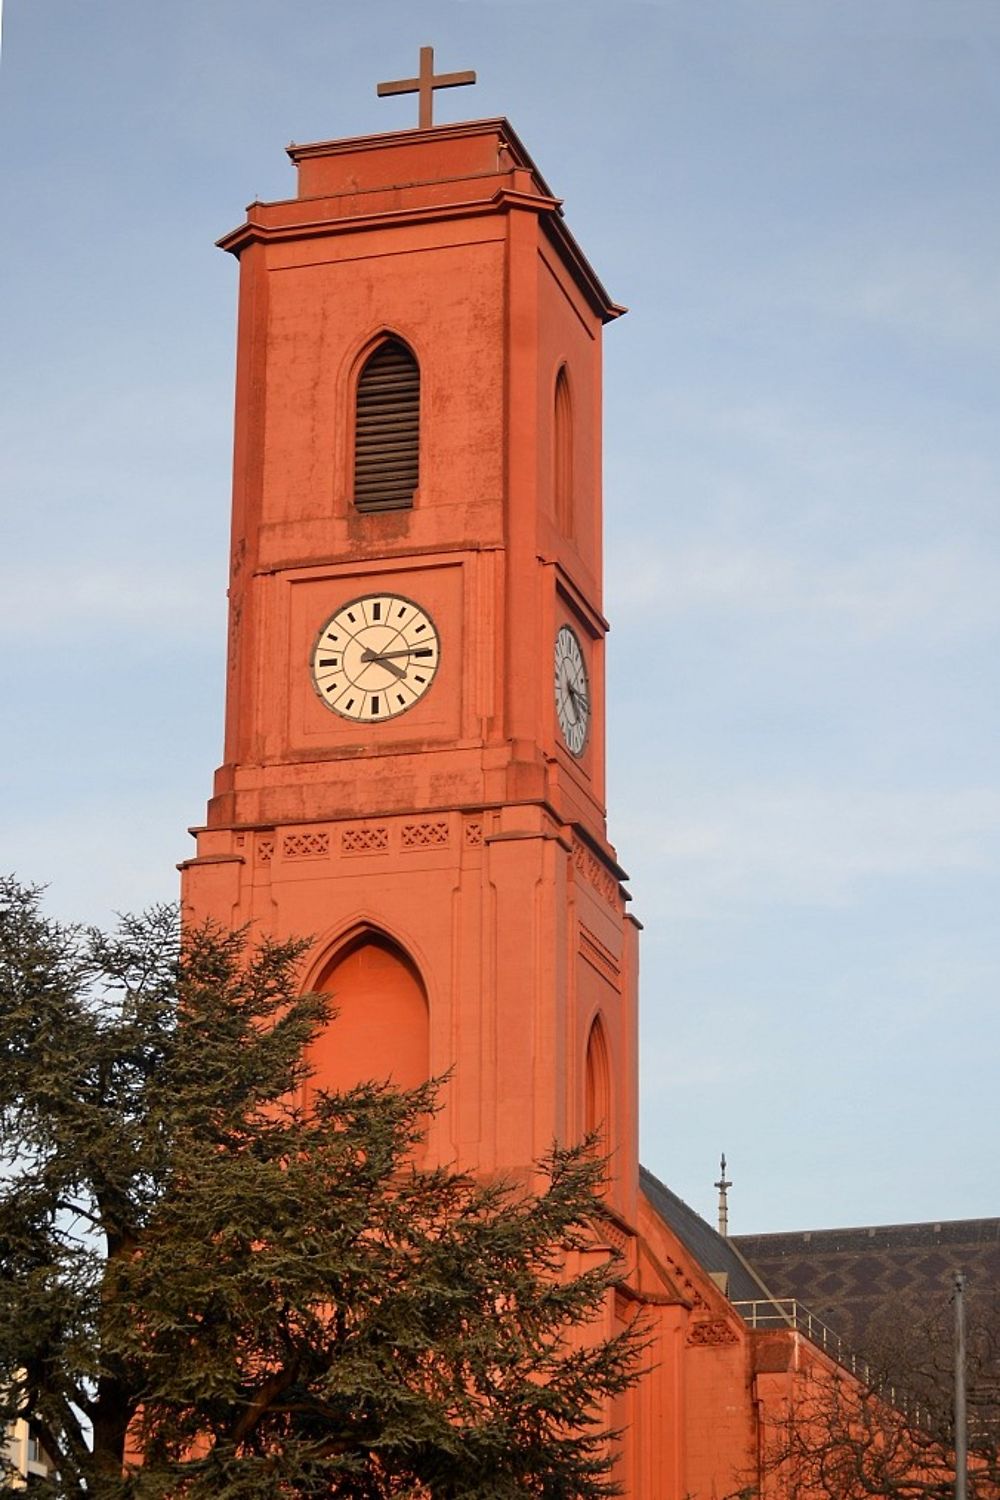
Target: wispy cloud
{"points": [[748, 847], [42, 603], [145, 831], [949, 590], [940, 291]]}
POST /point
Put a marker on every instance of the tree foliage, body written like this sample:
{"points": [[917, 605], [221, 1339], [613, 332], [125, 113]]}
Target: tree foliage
{"points": [[208, 1289]]}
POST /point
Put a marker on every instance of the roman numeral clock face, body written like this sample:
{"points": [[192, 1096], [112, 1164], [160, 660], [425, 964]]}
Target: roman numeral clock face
{"points": [[572, 691], [375, 658]]}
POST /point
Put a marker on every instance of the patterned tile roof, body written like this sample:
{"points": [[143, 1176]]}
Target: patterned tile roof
{"points": [[855, 1279]]}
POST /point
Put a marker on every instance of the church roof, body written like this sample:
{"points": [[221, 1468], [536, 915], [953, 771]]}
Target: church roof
{"points": [[715, 1254], [854, 1279]]}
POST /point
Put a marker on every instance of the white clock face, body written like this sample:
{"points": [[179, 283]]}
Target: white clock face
{"points": [[375, 658], [572, 691]]}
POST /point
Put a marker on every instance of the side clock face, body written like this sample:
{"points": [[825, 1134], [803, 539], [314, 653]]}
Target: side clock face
{"points": [[375, 658], [572, 691]]}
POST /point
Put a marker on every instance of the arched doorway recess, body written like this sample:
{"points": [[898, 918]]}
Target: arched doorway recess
{"points": [[382, 1028]]}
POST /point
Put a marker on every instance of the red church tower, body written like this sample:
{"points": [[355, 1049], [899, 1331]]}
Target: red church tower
{"points": [[414, 747], [414, 755]]}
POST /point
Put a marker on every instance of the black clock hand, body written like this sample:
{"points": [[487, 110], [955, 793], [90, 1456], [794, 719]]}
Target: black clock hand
{"points": [[369, 655], [380, 661]]}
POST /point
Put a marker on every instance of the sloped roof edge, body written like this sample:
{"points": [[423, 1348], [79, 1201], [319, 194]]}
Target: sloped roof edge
{"points": [[709, 1248]]}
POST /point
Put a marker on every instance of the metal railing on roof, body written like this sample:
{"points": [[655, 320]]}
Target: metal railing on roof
{"points": [[788, 1312]]}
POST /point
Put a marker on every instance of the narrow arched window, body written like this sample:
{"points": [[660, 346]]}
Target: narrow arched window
{"points": [[597, 1100], [562, 434], [387, 429]]}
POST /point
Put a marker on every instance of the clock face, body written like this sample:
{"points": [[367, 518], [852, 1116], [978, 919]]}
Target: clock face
{"points": [[572, 691], [375, 658]]}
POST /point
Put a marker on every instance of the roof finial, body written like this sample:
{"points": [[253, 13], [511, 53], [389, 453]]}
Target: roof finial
{"points": [[723, 1185], [424, 84]]}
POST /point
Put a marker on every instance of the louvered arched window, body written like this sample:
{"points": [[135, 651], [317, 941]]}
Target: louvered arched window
{"points": [[387, 429], [562, 435]]}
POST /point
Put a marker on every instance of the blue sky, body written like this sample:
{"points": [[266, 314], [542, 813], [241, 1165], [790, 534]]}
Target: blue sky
{"points": [[798, 202]]}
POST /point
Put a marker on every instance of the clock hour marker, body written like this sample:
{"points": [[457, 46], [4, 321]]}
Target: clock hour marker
{"points": [[377, 609], [375, 703], [328, 661]]}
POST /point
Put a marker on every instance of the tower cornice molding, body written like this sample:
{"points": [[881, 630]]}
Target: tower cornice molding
{"points": [[504, 200], [300, 229], [435, 137], [418, 162]]}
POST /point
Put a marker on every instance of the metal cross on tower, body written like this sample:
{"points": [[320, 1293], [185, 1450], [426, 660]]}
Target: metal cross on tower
{"points": [[424, 84]]}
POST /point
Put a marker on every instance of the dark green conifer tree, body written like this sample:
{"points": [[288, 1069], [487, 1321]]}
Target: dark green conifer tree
{"points": [[206, 1290]]}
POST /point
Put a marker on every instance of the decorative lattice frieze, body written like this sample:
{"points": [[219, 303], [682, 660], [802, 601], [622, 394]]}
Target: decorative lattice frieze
{"points": [[424, 835], [710, 1332], [598, 875], [366, 839], [614, 1237], [305, 845]]}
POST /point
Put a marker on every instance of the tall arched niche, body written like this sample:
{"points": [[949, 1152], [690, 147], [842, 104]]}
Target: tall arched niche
{"points": [[562, 441], [382, 1027], [597, 1085]]}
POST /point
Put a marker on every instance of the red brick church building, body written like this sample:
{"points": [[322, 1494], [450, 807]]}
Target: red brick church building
{"points": [[414, 764]]}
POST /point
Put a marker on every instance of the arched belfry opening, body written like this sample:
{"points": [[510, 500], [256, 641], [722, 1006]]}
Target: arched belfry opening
{"points": [[597, 1085], [387, 428], [382, 1028], [562, 438]]}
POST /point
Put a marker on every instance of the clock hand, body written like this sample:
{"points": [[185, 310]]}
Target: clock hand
{"points": [[380, 661], [578, 697], [370, 655], [572, 705]]}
